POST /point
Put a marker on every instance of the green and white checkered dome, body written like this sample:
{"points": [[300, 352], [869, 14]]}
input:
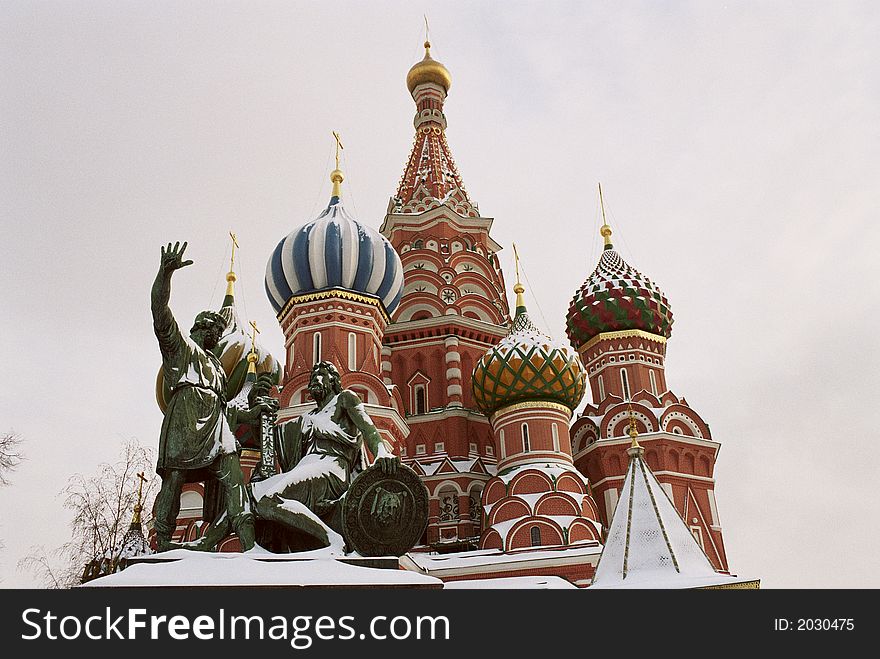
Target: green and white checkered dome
{"points": [[527, 366]]}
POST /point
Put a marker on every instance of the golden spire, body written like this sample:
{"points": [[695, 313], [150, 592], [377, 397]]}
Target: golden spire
{"points": [[230, 276], [635, 449], [605, 230], [252, 356], [518, 287], [136, 518], [336, 175]]}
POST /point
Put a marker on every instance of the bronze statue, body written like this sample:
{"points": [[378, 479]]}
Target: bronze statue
{"points": [[319, 454], [196, 442]]}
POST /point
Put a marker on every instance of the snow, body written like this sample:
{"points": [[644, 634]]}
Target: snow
{"points": [[553, 469], [336, 540], [647, 534], [311, 466], [489, 557], [251, 569], [548, 582]]}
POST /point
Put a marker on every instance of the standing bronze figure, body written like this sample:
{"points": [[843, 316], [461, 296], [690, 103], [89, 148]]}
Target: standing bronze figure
{"points": [[196, 442]]}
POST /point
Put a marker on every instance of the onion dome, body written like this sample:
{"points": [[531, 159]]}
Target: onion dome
{"points": [[527, 366], [236, 348], [614, 298], [428, 70], [335, 251]]}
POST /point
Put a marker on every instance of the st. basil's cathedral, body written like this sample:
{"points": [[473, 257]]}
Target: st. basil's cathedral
{"points": [[477, 400]]}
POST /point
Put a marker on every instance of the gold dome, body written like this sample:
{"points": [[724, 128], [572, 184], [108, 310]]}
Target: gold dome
{"points": [[428, 70]]}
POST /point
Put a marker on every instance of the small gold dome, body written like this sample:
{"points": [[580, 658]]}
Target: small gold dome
{"points": [[428, 70]]}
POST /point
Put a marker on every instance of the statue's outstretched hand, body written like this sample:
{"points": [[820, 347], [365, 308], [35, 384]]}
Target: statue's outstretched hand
{"points": [[388, 464], [172, 258]]}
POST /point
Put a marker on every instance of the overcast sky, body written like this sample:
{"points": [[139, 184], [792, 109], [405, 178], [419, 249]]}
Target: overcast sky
{"points": [[737, 143]]}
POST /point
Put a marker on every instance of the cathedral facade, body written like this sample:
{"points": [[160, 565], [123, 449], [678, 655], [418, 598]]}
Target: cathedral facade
{"points": [[469, 394]]}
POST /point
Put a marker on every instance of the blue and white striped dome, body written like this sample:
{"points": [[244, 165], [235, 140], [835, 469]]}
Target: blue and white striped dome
{"points": [[334, 251]]}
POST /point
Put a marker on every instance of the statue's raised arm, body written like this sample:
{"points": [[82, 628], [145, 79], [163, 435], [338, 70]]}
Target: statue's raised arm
{"points": [[164, 324]]}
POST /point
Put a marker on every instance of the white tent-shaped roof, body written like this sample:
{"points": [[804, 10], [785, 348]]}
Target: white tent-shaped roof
{"points": [[648, 544]]}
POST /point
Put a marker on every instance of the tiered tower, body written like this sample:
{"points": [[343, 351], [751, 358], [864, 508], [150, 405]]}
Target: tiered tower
{"points": [[619, 322], [453, 308], [333, 283], [528, 386]]}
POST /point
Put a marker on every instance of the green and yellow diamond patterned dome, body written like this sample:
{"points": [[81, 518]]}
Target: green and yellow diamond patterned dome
{"points": [[527, 366]]}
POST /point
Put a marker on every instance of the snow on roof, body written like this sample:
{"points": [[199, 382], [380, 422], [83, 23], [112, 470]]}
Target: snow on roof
{"points": [[548, 582], [552, 469], [489, 557], [227, 569], [648, 545]]}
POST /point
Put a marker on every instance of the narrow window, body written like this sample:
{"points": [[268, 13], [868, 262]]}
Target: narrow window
{"points": [[698, 535], [624, 380], [352, 351], [316, 348], [503, 447], [420, 399], [601, 389], [555, 432], [525, 437], [536, 536], [653, 382]]}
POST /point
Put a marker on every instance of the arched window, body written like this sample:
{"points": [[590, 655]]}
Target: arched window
{"points": [[352, 351], [653, 382], [601, 389], [421, 404], [624, 380], [525, 437], [419, 244], [554, 430], [316, 348], [535, 532]]}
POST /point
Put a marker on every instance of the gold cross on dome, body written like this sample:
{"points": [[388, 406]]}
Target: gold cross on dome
{"points": [[142, 479], [516, 261], [254, 333], [234, 245], [338, 146]]}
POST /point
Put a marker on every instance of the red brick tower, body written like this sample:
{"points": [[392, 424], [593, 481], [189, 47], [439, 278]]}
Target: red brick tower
{"points": [[453, 308], [529, 386], [619, 322], [334, 283]]}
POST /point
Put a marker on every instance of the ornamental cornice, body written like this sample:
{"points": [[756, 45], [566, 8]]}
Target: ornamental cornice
{"points": [[622, 334], [530, 405], [333, 293]]}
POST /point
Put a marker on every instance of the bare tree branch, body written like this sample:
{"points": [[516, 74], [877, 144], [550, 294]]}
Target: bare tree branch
{"points": [[10, 454], [102, 505]]}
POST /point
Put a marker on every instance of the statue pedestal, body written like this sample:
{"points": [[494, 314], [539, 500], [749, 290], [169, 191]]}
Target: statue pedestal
{"points": [[259, 569]]}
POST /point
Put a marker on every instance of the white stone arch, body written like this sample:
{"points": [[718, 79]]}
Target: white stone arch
{"points": [[684, 418]]}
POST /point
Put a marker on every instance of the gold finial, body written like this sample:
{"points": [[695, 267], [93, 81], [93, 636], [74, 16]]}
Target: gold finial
{"points": [[633, 429], [427, 37], [605, 230], [230, 276], [252, 357], [336, 175], [518, 287], [136, 518]]}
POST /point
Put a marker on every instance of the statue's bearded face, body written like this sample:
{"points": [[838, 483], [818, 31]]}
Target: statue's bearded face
{"points": [[319, 384], [210, 329]]}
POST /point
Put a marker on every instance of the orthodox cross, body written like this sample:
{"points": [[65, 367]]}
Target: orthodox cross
{"points": [[142, 479], [338, 146], [254, 333], [516, 261], [234, 245]]}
